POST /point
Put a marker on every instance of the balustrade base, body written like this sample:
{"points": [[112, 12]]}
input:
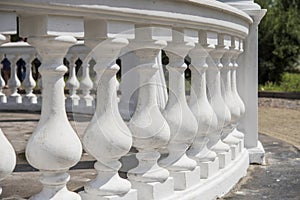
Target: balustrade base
{"points": [[209, 168], [131, 195], [257, 154], [219, 184], [224, 159], [186, 179], [154, 191]]}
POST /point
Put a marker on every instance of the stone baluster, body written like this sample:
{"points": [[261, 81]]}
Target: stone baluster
{"points": [[107, 137], [216, 100], [14, 82], [229, 100], [8, 158], [183, 125], [149, 128], [3, 98], [54, 146], [72, 84], [29, 83], [86, 84], [238, 49], [202, 110]]}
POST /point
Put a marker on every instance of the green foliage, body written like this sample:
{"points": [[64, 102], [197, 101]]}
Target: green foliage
{"points": [[290, 83], [279, 39]]}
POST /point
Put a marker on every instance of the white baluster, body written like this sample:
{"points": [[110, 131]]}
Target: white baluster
{"points": [[86, 84], [8, 157], [107, 137], [54, 146], [14, 82], [29, 82], [72, 84], [221, 110], [149, 128], [202, 110], [183, 125], [237, 46], [3, 98], [229, 101]]}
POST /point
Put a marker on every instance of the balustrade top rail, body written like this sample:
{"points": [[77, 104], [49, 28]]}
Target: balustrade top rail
{"points": [[195, 14]]}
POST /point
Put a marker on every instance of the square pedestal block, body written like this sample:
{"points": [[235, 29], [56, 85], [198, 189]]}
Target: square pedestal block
{"points": [[29, 100], [185, 179], [131, 195], [14, 99], [209, 168], [224, 159], [3, 99], [154, 191], [235, 151], [242, 145]]}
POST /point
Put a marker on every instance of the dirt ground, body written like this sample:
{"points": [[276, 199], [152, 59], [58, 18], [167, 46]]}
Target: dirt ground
{"points": [[281, 123]]}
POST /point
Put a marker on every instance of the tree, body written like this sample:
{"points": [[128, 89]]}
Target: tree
{"points": [[279, 39]]}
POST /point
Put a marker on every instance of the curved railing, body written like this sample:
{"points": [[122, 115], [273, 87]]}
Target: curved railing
{"points": [[184, 149]]}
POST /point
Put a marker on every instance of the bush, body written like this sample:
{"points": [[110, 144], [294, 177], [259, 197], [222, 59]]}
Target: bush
{"points": [[290, 82]]}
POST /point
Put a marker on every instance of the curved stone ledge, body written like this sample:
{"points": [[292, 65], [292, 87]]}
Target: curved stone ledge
{"points": [[219, 184]]}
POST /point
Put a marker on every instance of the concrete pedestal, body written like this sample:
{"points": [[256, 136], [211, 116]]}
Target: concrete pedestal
{"points": [[186, 179], [154, 191], [224, 159], [209, 168], [235, 151]]}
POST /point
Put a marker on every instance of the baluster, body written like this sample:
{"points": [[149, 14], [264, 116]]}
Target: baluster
{"points": [[149, 128], [14, 82], [72, 84], [237, 46], [29, 82], [229, 100], [86, 84], [202, 110], [54, 146], [183, 125], [8, 158], [3, 98], [107, 137], [221, 110]]}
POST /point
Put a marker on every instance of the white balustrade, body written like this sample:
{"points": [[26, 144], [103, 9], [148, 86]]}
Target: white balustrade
{"points": [[149, 128], [29, 83], [229, 100], [183, 125], [8, 157], [14, 82], [222, 112], [202, 110], [204, 134], [54, 146]]}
